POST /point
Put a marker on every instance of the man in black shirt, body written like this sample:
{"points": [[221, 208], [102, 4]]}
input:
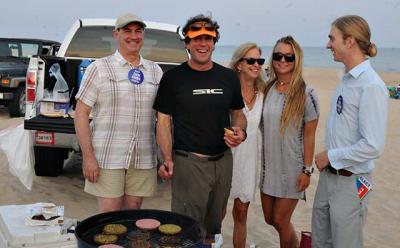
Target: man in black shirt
{"points": [[201, 98]]}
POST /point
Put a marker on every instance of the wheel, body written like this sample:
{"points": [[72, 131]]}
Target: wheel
{"points": [[16, 107], [49, 162]]}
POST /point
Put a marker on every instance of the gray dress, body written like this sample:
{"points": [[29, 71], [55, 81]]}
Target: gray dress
{"points": [[284, 156]]}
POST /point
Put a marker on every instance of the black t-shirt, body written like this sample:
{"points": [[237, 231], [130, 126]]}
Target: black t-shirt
{"points": [[199, 103]]}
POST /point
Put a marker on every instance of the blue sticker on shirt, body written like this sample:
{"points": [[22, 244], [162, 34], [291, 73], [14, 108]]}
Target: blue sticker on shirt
{"points": [[339, 105], [136, 76]]}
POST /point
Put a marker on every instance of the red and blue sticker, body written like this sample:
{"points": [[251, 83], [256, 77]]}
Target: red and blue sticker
{"points": [[363, 187]]}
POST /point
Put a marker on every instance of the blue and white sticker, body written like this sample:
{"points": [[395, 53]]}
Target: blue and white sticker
{"points": [[339, 105], [135, 76]]}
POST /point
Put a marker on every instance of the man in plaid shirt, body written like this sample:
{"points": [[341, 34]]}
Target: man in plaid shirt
{"points": [[118, 146]]}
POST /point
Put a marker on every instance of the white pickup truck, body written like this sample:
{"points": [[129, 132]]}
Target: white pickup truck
{"points": [[86, 39]]}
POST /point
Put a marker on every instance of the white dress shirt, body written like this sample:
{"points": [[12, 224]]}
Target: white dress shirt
{"points": [[356, 129]]}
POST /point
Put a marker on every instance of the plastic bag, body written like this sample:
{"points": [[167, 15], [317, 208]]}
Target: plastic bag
{"points": [[60, 90], [17, 145], [45, 214]]}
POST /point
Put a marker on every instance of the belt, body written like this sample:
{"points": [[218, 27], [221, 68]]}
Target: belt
{"points": [[208, 158], [341, 172]]}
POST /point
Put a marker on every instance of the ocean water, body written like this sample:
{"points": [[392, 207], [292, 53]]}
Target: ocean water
{"points": [[388, 59]]}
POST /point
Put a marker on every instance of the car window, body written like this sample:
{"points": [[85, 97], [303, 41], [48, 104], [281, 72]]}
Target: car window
{"points": [[18, 49], [28, 49], [97, 42]]}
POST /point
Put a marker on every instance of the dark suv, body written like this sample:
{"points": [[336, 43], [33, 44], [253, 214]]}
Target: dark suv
{"points": [[14, 59]]}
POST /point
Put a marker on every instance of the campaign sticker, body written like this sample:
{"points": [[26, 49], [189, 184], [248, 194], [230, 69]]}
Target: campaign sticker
{"points": [[136, 76], [339, 105], [363, 186]]}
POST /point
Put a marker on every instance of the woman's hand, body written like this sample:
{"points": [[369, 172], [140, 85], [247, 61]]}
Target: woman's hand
{"points": [[302, 182]]}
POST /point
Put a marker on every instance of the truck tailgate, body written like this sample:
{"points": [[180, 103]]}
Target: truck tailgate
{"points": [[50, 124]]}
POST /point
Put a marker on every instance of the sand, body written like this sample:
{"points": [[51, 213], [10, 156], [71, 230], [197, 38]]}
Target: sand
{"points": [[382, 227]]}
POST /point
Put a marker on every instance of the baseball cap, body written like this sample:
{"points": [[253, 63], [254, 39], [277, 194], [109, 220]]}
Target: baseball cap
{"points": [[201, 28], [127, 18]]}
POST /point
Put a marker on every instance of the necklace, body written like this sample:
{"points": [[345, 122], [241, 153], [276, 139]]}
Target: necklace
{"points": [[282, 83], [281, 87], [251, 100]]}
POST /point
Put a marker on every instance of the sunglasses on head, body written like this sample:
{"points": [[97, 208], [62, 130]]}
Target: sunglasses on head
{"points": [[199, 25], [251, 61], [279, 56]]}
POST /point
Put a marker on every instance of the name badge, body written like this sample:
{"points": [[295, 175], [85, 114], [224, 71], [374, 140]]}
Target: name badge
{"points": [[339, 105], [135, 76]]}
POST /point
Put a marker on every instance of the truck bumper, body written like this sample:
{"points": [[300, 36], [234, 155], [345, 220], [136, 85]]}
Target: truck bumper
{"points": [[49, 124], [53, 132], [6, 96]]}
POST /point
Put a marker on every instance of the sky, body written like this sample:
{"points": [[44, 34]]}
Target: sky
{"points": [[260, 21]]}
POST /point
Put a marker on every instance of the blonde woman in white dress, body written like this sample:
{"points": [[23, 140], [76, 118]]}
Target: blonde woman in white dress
{"points": [[247, 62]]}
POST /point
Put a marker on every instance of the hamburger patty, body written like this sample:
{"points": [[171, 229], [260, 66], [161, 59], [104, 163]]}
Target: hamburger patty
{"points": [[169, 229], [116, 229], [103, 239], [138, 235], [169, 241], [147, 224]]}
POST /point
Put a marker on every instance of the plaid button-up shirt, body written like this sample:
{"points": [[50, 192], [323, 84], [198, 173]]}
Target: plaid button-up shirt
{"points": [[123, 124]]}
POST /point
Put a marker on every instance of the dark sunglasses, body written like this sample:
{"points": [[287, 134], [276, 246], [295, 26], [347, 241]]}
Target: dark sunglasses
{"points": [[251, 61], [279, 56], [199, 25]]}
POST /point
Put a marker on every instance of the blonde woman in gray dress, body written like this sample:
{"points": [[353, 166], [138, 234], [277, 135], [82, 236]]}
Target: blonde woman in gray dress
{"points": [[247, 63], [290, 118]]}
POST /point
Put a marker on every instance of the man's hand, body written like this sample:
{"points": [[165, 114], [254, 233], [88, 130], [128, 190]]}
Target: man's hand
{"points": [[91, 169], [233, 140], [166, 169], [302, 182], [322, 160]]}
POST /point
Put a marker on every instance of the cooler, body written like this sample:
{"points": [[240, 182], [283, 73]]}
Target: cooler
{"points": [[81, 70], [14, 233]]}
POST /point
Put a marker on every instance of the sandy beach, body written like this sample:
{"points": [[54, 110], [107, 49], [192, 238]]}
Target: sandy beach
{"points": [[382, 227]]}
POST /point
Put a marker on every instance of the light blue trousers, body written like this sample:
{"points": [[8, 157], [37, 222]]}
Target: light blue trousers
{"points": [[339, 215]]}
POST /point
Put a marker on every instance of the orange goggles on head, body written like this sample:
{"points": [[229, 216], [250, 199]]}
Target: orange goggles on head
{"points": [[201, 28]]}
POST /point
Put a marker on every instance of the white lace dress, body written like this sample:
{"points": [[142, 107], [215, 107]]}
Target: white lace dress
{"points": [[247, 156]]}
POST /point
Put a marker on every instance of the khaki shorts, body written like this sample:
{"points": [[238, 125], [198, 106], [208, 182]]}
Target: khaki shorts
{"points": [[113, 183]]}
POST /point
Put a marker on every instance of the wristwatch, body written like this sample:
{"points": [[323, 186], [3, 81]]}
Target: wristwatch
{"points": [[308, 170]]}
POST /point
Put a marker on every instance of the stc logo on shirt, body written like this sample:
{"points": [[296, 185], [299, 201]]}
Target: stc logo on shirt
{"points": [[208, 92]]}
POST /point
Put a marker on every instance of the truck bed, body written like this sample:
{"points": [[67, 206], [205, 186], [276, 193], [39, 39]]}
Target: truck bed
{"points": [[69, 69]]}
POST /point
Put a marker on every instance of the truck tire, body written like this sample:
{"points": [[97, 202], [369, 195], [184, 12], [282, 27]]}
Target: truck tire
{"points": [[16, 107], [49, 162]]}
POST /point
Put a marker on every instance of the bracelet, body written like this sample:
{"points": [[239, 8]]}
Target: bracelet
{"points": [[308, 170], [245, 134]]}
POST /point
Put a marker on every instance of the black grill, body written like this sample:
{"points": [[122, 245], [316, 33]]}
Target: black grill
{"points": [[190, 236]]}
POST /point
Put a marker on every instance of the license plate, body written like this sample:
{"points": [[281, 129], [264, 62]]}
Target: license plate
{"points": [[1, 96], [44, 138]]}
